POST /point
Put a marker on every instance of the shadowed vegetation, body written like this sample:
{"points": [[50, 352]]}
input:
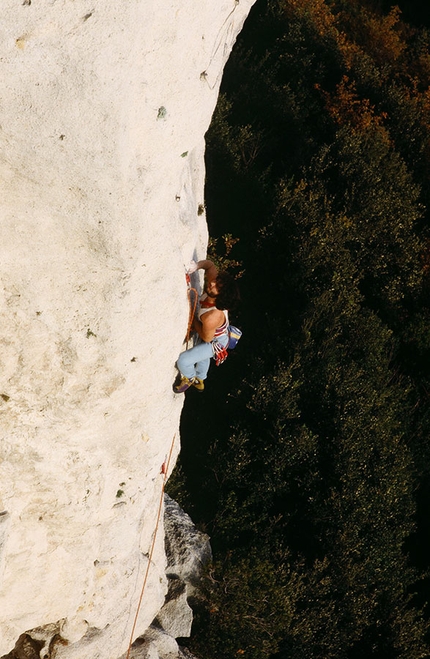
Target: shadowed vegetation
{"points": [[308, 461]]}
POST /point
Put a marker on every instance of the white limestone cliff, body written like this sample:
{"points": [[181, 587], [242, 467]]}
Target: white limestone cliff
{"points": [[103, 111]]}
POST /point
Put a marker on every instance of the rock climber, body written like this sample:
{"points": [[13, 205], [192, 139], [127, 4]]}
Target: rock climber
{"points": [[221, 293]]}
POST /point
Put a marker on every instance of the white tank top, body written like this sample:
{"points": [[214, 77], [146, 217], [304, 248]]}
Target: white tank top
{"points": [[203, 309]]}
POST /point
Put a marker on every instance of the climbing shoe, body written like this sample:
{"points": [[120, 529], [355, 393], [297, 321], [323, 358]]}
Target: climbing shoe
{"points": [[198, 384], [183, 384]]}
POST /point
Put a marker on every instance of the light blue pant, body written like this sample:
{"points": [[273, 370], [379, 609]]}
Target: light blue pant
{"points": [[195, 362]]}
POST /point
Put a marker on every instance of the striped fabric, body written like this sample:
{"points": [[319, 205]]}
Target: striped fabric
{"points": [[223, 329]]}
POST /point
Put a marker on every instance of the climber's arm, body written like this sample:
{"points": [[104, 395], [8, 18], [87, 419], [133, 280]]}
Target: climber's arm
{"points": [[211, 271]]}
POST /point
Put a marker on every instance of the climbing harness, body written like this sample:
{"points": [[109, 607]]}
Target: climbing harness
{"points": [[164, 471]]}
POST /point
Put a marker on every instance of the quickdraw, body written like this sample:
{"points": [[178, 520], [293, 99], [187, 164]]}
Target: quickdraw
{"points": [[220, 353]]}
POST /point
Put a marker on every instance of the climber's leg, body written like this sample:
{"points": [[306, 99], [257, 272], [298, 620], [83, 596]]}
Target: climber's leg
{"points": [[195, 361]]}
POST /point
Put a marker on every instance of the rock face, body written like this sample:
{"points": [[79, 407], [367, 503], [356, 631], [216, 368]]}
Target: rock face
{"points": [[188, 551], [103, 112]]}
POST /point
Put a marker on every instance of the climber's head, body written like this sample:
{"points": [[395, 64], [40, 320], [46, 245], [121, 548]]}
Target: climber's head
{"points": [[225, 290]]}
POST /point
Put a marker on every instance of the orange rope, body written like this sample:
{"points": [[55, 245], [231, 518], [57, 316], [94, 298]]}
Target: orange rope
{"points": [[164, 471], [193, 307]]}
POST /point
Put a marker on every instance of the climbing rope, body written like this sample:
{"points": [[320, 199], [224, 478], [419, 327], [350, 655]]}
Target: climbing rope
{"points": [[164, 470], [193, 306], [219, 41]]}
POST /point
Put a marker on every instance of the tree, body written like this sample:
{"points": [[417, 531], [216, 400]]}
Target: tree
{"points": [[308, 480]]}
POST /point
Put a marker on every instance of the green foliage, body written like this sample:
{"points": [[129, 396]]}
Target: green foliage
{"points": [[252, 606], [224, 260], [318, 161], [176, 487]]}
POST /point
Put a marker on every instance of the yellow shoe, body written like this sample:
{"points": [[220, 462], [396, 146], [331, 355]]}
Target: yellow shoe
{"points": [[198, 384], [183, 384]]}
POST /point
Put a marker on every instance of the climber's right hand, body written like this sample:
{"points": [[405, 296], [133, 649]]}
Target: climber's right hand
{"points": [[192, 267]]}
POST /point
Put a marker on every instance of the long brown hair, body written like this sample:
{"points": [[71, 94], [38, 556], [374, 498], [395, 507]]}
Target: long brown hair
{"points": [[228, 292]]}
